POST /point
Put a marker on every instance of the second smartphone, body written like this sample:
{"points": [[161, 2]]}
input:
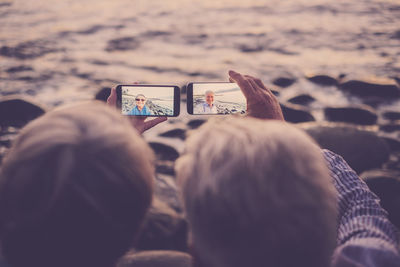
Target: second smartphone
{"points": [[148, 100], [215, 98]]}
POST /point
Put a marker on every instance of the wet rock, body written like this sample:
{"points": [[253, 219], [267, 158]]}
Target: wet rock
{"points": [[397, 79], [296, 114], [363, 150], [125, 43], [18, 111], [156, 258], [390, 128], [391, 115], [165, 167], [29, 49], [284, 81], [7, 135], [323, 80], [394, 144], [156, 33], [166, 191], [36, 78], [275, 92], [250, 48], [394, 162], [193, 124], [99, 62], [396, 35], [357, 115], [163, 229], [303, 99], [103, 94], [386, 185], [6, 139], [19, 69], [367, 90], [175, 133], [5, 4], [164, 152], [183, 91]]}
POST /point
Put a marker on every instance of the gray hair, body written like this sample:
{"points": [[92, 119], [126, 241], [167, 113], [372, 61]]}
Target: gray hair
{"points": [[257, 193], [208, 92], [74, 188], [141, 95]]}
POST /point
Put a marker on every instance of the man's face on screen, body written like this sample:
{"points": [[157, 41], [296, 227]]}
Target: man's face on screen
{"points": [[140, 101], [210, 98]]}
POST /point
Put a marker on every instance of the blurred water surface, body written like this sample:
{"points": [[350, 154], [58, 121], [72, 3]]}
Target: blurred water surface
{"points": [[65, 50]]}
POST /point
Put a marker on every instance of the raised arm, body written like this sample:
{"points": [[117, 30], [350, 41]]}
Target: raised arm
{"points": [[365, 235]]}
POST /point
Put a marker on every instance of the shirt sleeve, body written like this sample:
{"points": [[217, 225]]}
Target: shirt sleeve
{"points": [[365, 235]]}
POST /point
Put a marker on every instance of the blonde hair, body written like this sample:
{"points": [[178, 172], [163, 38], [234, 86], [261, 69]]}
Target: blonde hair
{"points": [[257, 193], [74, 189]]}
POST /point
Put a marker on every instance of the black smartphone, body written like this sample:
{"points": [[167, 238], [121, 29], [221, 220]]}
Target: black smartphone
{"points": [[215, 98], [148, 100]]}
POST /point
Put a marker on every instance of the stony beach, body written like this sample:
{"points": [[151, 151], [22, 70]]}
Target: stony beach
{"points": [[334, 66]]}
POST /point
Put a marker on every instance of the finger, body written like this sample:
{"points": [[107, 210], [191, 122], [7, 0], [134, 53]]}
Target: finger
{"points": [[244, 85], [260, 84], [112, 98], [259, 91], [258, 81], [152, 123]]}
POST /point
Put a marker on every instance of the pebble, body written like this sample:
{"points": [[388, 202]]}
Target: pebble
{"points": [[365, 89], [29, 49], [125, 43], [394, 144], [193, 124], [175, 133], [363, 150], [16, 112], [303, 99], [284, 81], [358, 115], [163, 228], [103, 94], [323, 80], [386, 185], [390, 128], [164, 152], [391, 115], [296, 114]]}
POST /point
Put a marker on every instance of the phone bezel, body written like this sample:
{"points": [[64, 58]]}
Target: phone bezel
{"points": [[177, 98]]}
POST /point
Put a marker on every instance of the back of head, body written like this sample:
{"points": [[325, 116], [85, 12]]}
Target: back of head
{"points": [[74, 189], [257, 193]]}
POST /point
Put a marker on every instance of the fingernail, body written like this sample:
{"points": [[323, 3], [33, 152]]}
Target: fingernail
{"points": [[232, 72]]}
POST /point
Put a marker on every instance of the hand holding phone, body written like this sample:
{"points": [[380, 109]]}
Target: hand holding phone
{"points": [[261, 102]]}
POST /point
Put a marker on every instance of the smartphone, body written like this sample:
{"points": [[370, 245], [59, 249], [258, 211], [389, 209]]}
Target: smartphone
{"points": [[215, 98], [148, 100]]}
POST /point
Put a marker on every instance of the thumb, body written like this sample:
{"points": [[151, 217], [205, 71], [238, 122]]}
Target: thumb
{"points": [[112, 98]]}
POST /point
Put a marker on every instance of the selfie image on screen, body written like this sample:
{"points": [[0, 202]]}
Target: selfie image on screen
{"points": [[147, 100], [218, 98]]}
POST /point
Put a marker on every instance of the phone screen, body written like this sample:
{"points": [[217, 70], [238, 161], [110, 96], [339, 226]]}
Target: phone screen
{"points": [[149, 100], [215, 98]]}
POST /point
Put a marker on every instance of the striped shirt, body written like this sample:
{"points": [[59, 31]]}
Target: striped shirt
{"points": [[365, 235]]}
